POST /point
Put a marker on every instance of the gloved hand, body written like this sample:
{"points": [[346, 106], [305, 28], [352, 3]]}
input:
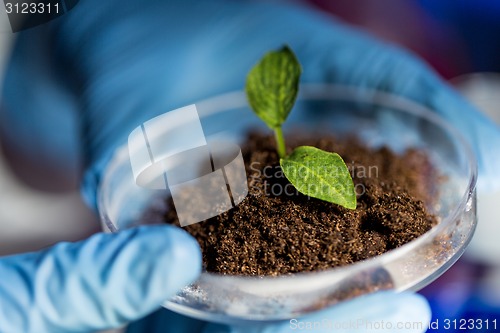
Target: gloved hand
{"points": [[112, 66], [102, 282], [383, 311], [111, 279], [116, 64]]}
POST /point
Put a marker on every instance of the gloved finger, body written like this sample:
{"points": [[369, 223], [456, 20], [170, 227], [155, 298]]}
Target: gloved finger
{"points": [[383, 311], [98, 283], [480, 132]]}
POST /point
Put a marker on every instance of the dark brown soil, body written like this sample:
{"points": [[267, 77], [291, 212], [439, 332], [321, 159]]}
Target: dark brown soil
{"points": [[273, 233]]}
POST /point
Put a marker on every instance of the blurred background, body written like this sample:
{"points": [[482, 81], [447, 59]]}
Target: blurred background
{"points": [[459, 38]]}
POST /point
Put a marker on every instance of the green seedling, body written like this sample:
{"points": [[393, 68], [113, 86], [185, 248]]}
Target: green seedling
{"points": [[272, 87]]}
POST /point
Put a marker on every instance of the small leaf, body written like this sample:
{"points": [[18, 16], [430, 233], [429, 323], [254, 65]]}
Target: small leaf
{"points": [[320, 174], [272, 86]]}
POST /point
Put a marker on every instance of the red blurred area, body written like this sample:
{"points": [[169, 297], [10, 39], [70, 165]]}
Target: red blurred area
{"points": [[407, 24]]}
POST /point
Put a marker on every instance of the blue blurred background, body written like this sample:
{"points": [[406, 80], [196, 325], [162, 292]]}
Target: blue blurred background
{"points": [[454, 36]]}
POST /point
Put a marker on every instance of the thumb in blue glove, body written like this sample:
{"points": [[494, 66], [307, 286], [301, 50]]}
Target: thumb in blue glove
{"points": [[103, 282]]}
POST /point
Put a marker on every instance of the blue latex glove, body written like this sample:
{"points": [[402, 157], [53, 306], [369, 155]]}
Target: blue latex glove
{"points": [[102, 282], [116, 64], [383, 311], [111, 279], [113, 65]]}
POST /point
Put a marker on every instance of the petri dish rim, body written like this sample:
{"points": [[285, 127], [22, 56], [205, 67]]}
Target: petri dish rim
{"points": [[237, 99]]}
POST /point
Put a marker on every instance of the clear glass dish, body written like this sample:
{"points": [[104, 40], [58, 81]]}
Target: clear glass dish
{"points": [[376, 118]]}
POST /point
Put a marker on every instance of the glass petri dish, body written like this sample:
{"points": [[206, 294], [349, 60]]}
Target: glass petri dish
{"points": [[374, 117]]}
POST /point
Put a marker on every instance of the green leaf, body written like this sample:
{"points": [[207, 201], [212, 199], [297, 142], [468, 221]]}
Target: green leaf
{"points": [[320, 174], [272, 86]]}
